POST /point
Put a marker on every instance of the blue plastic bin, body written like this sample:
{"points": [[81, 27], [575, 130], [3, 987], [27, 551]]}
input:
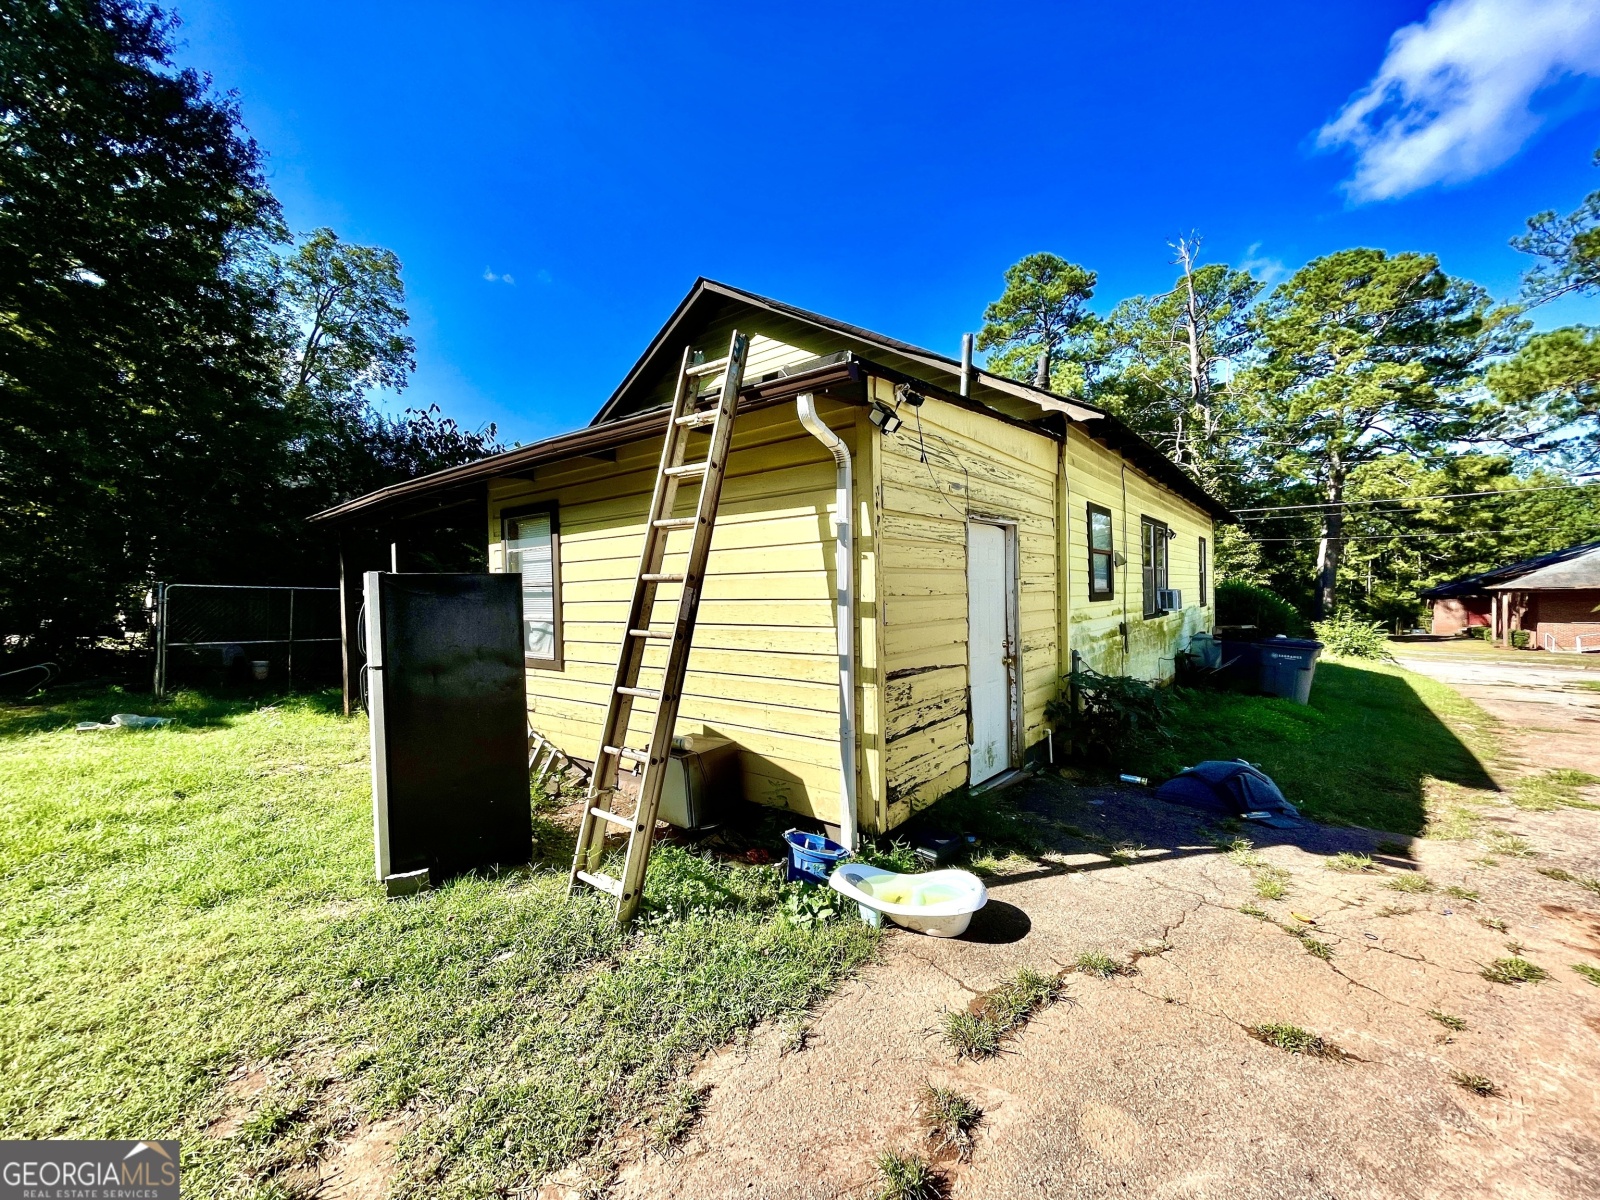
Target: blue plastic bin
{"points": [[812, 857]]}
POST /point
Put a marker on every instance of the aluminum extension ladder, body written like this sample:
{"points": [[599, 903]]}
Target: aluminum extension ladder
{"points": [[687, 416]]}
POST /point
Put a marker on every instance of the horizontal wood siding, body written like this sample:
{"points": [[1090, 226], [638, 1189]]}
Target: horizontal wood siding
{"points": [[763, 670], [944, 465], [1098, 475]]}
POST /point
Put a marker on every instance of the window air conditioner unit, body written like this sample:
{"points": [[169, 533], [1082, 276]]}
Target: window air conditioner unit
{"points": [[1169, 599]]}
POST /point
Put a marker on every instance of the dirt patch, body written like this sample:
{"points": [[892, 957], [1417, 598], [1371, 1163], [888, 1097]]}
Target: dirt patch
{"points": [[244, 1086], [361, 1166]]}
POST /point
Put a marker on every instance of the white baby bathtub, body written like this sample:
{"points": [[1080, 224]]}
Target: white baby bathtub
{"points": [[938, 903]]}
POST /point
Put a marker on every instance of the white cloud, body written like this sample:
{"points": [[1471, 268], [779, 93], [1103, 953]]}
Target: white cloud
{"points": [[490, 275], [1453, 97], [1268, 270]]}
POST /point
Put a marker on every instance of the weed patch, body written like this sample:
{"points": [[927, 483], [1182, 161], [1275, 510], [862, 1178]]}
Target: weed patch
{"points": [[1462, 893], [1350, 863], [1102, 966], [1313, 947], [1415, 884], [1479, 1085], [905, 1176], [1583, 881], [1271, 883], [1448, 1021], [1295, 1040], [1509, 844], [1494, 923], [981, 1029], [1552, 790], [949, 1118], [1589, 972], [1242, 852], [1514, 970]]}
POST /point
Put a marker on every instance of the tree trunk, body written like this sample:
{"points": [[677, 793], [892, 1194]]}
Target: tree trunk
{"points": [[1331, 547], [1199, 385]]}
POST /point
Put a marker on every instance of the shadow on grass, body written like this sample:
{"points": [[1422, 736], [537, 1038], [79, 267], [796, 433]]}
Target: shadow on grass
{"points": [[1362, 752], [63, 707]]}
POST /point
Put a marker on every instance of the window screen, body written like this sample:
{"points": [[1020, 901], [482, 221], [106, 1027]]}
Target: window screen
{"points": [[530, 546], [1153, 556], [1101, 558], [1202, 572]]}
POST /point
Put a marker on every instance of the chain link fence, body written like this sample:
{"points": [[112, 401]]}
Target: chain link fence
{"points": [[221, 635]]}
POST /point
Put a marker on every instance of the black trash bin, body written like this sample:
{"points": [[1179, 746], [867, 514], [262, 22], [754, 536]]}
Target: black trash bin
{"points": [[1241, 662], [1287, 667]]}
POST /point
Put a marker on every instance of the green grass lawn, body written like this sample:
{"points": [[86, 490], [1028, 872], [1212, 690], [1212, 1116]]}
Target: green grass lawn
{"points": [[1367, 750], [193, 904]]}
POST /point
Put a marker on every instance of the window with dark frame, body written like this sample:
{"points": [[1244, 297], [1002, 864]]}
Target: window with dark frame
{"points": [[1153, 558], [1202, 572], [532, 541], [1102, 564]]}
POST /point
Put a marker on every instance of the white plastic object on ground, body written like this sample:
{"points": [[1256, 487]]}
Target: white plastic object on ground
{"points": [[938, 903], [124, 721]]}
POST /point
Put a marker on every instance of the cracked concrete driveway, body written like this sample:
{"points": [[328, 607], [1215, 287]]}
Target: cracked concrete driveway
{"points": [[1551, 701], [1149, 1084]]}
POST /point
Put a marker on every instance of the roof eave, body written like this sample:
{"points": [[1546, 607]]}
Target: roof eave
{"points": [[394, 501]]}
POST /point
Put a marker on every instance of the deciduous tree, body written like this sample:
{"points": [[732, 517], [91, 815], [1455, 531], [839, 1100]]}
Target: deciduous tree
{"points": [[138, 419]]}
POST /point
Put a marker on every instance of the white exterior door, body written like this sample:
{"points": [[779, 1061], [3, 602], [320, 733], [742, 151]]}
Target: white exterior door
{"points": [[990, 648]]}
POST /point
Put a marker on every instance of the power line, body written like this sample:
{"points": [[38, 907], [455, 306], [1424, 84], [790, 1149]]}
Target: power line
{"points": [[1387, 537], [1501, 492]]}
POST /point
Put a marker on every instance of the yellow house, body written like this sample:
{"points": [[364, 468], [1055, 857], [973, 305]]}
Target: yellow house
{"points": [[995, 533]]}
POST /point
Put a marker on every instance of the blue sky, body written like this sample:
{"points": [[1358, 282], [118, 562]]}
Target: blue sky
{"points": [[881, 163]]}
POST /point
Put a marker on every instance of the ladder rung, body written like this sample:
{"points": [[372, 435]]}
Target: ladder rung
{"points": [[662, 634], [662, 577], [647, 693], [687, 470], [626, 752], [604, 882], [695, 419], [707, 368], [605, 814], [676, 522]]}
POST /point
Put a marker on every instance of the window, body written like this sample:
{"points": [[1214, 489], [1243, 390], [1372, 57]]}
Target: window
{"points": [[1153, 555], [1202, 572], [532, 550], [1100, 554]]}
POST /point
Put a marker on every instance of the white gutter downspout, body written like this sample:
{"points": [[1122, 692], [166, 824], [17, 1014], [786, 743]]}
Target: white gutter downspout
{"points": [[845, 610]]}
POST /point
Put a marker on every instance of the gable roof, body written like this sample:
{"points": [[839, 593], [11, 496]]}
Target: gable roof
{"points": [[1573, 567], [711, 310], [817, 354]]}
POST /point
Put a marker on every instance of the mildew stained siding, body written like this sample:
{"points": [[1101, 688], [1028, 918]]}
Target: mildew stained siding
{"points": [[1098, 475], [944, 466], [764, 669]]}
